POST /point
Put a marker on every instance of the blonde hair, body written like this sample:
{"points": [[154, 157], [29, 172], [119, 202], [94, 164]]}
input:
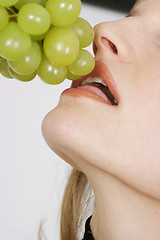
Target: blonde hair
{"points": [[75, 208], [76, 199], [138, 2]]}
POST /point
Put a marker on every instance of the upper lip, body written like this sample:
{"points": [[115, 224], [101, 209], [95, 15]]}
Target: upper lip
{"points": [[102, 71]]}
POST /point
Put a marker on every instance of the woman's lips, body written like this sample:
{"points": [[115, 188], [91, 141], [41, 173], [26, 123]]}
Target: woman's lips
{"points": [[87, 91], [100, 71]]}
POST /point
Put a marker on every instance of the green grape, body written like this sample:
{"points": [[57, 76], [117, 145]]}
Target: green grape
{"points": [[23, 2], [4, 68], [29, 63], [34, 19], [83, 65], [71, 76], [61, 46], [38, 37], [14, 43], [49, 73], [63, 12], [23, 78], [7, 3], [4, 18], [84, 32]]}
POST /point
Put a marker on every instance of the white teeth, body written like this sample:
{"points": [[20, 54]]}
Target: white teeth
{"points": [[92, 79]]}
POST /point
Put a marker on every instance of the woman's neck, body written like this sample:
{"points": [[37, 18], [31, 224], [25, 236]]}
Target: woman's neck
{"points": [[122, 213]]}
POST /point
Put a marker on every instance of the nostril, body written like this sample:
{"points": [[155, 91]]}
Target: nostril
{"points": [[113, 47], [106, 42]]}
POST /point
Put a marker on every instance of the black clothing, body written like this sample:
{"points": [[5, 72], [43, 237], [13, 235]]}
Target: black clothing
{"points": [[120, 5], [88, 233]]}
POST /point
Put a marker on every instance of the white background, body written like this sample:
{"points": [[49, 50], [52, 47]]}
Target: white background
{"points": [[32, 177]]}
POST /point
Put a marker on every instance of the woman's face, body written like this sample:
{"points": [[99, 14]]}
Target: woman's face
{"points": [[122, 140]]}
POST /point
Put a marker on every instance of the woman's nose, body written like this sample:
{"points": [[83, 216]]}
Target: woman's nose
{"points": [[110, 40]]}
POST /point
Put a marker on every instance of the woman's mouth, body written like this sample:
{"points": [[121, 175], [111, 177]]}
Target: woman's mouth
{"points": [[99, 84]]}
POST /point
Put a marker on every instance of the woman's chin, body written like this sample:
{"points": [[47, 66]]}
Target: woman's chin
{"points": [[61, 126]]}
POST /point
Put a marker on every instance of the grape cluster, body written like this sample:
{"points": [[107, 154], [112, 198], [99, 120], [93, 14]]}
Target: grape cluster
{"points": [[44, 37]]}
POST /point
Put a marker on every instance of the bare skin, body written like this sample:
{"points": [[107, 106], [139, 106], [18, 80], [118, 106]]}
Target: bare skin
{"points": [[117, 147]]}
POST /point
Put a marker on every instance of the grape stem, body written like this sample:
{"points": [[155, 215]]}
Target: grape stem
{"points": [[10, 10], [13, 17]]}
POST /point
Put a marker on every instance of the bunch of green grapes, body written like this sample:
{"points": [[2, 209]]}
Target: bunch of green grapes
{"points": [[44, 37]]}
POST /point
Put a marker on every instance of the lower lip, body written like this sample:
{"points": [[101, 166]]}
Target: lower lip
{"points": [[87, 91]]}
